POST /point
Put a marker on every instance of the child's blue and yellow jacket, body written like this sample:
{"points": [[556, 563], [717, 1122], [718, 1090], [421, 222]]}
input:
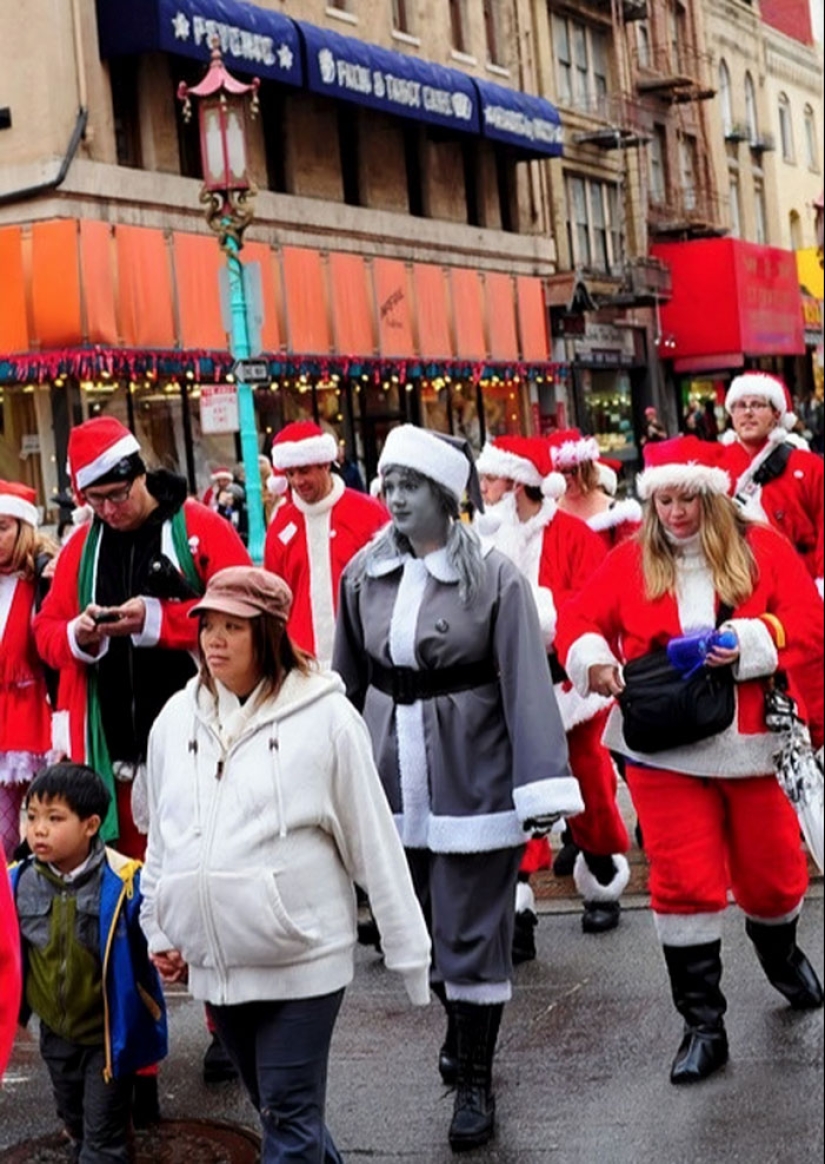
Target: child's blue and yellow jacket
{"points": [[134, 1012]]}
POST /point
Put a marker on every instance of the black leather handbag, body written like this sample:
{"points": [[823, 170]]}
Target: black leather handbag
{"points": [[662, 709]]}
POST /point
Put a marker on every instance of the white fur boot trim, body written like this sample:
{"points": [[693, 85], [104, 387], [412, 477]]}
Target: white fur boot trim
{"points": [[525, 898], [593, 890]]}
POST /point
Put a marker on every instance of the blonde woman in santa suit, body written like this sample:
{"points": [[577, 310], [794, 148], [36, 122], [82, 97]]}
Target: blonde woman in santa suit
{"points": [[25, 713], [704, 807], [591, 488]]}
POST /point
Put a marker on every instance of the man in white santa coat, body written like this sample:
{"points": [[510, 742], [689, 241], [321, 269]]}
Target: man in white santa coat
{"points": [[316, 532], [775, 480], [557, 554]]}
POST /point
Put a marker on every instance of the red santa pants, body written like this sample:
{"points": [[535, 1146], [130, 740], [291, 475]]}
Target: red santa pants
{"points": [[600, 829], [703, 835]]}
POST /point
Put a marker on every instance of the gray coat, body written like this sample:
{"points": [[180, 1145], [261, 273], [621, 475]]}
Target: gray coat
{"points": [[462, 771]]}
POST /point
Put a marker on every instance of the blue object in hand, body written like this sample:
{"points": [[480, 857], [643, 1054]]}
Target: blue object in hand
{"points": [[687, 653]]}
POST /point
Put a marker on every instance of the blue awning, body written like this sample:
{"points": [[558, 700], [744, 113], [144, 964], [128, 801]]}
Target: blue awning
{"points": [[518, 119], [253, 40], [351, 70]]}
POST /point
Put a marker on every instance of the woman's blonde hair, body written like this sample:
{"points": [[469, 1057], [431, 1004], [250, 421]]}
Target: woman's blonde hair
{"points": [[588, 476], [722, 538], [29, 545], [273, 649]]}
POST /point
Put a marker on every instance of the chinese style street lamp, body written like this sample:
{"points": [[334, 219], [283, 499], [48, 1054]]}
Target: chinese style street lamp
{"points": [[227, 193]]}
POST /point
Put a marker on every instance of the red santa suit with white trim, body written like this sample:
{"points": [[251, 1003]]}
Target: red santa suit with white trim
{"points": [[309, 544], [792, 501], [704, 807], [557, 553]]}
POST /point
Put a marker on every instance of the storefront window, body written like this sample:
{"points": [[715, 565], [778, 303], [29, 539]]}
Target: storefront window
{"points": [[609, 412]]}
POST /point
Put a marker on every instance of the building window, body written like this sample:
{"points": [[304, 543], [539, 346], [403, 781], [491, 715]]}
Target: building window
{"points": [[401, 15], [687, 168], [750, 109], [349, 147], [785, 128], [341, 5], [795, 224], [457, 25], [596, 235], [760, 212], [123, 75], [492, 31], [658, 165], [581, 63], [725, 100], [643, 45], [811, 150], [735, 209]]}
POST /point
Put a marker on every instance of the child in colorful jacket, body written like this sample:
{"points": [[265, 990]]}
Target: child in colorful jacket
{"points": [[86, 971]]}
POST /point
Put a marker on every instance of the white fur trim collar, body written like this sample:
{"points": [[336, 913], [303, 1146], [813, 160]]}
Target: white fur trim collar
{"points": [[437, 565], [325, 504], [619, 512]]}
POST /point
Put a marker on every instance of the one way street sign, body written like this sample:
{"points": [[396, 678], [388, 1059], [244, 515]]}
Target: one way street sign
{"points": [[251, 371]]}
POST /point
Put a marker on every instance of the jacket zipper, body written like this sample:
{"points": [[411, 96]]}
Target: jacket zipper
{"points": [[107, 1031]]}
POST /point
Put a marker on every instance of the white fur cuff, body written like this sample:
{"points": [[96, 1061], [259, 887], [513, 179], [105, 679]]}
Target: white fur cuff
{"points": [[547, 614], [757, 652], [593, 890], [541, 797], [688, 929], [588, 651]]}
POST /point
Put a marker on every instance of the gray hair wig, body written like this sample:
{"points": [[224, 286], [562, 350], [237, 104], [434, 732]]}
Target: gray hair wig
{"points": [[463, 546]]}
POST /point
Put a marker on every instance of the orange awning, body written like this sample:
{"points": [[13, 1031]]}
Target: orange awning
{"points": [[145, 288], [468, 305], [392, 293], [501, 316], [55, 271], [14, 328], [306, 301], [432, 308], [532, 316], [97, 274], [273, 329], [353, 307], [198, 263]]}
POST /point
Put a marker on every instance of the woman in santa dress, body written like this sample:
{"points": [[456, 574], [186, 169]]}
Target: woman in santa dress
{"points": [[704, 806], [25, 714], [591, 488]]}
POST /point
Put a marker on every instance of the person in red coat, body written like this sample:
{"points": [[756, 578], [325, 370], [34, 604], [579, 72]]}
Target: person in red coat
{"points": [[704, 807], [591, 488], [558, 553], [25, 714], [316, 532], [776, 481], [10, 981]]}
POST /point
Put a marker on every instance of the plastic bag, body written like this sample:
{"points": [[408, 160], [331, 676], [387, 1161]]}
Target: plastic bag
{"points": [[799, 770]]}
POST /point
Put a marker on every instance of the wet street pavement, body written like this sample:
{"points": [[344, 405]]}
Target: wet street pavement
{"points": [[581, 1074]]}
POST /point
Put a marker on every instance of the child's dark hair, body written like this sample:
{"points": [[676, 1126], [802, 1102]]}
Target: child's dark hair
{"points": [[78, 785]]}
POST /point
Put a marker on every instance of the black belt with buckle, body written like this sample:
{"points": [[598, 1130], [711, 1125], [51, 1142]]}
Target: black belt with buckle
{"points": [[405, 685]]}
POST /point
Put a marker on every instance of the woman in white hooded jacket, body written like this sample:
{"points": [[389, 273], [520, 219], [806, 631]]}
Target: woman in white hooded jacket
{"points": [[265, 807]]}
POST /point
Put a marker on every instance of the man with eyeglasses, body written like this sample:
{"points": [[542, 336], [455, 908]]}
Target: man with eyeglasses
{"points": [[777, 481]]}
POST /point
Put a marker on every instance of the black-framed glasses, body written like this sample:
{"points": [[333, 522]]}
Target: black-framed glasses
{"points": [[115, 497]]}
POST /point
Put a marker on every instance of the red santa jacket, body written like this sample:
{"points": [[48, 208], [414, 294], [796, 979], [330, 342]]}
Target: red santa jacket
{"points": [[10, 984], [778, 625], [793, 503], [309, 546], [25, 714], [214, 545]]}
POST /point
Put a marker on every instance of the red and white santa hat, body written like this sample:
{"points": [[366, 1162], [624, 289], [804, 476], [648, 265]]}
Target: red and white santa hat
{"points": [[568, 447], [96, 447], [222, 473], [18, 501], [303, 443], [769, 388], [410, 447], [523, 459], [683, 463]]}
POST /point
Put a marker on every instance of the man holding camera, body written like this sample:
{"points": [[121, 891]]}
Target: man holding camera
{"points": [[115, 622]]}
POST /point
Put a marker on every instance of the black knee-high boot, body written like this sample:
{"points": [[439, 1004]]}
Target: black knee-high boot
{"points": [[448, 1055], [785, 966], [473, 1121], [695, 974]]}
